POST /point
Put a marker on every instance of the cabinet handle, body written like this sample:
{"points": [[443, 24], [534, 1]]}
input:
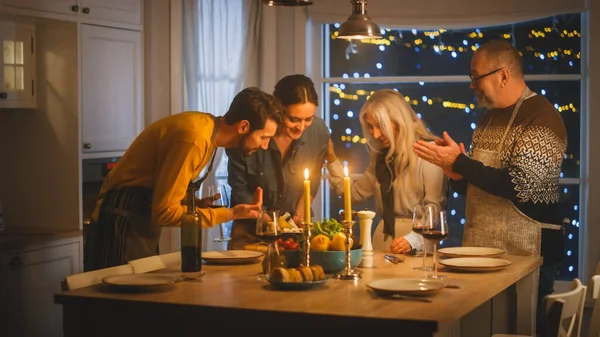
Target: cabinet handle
{"points": [[3, 95], [87, 146], [15, 262], [75, 8], [86, 10]]}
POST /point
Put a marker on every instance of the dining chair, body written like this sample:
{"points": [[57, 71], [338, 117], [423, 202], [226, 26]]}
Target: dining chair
{"points": [[171, 260], [90, 278], [568, 323], [594, 327], [147, 264]]}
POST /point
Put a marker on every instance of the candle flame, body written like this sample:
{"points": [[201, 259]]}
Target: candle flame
{"points": [[346, 171], [306, 173]]}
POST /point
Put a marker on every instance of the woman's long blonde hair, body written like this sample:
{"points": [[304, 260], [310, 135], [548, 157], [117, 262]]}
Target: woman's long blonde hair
{"points": [[388, 107]]}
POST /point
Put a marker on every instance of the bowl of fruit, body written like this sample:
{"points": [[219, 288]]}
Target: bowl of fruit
{"points": [[327, 247]]}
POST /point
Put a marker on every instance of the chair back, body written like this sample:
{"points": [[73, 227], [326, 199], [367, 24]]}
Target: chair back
{"points": [[594, 327], [572, 311], [91, 278], [171, 260], [147, 264], [552, 318]]}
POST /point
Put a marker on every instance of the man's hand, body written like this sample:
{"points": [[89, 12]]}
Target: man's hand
{"points": [[206, 202], [442, 153], [245, 212], [400, 246]]}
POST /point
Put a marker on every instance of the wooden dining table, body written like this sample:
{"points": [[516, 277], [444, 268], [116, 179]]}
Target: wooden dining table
{"points": [[236, 300]]}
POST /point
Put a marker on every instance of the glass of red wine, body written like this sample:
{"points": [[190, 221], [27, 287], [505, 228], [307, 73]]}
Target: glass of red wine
{"points": [[419, 220], [268, 229], [436, 231]]}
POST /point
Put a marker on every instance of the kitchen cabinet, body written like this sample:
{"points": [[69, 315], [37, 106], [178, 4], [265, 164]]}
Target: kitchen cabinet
{"points": [[121, 11], [17, 89], [124, 11], [111, 88], [30, 279]]}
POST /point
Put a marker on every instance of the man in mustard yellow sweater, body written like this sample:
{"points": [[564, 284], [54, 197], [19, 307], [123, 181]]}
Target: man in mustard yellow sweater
{"points": [[144, 191]]}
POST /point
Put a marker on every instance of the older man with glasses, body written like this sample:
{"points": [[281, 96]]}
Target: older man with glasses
{"points": [[510, 175]]}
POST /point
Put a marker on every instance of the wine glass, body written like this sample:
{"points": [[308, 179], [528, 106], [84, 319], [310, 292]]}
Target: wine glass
{"points": [[418, 222], [268, 228], [222, 201], [436, 232]]}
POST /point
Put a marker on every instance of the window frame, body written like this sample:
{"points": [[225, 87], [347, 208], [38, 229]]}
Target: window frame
{"points": [[317, 51]]}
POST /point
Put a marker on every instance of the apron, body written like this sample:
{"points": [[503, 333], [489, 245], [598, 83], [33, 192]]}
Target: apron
{"points": [[496, 222], [380, 242], [123, 231]]}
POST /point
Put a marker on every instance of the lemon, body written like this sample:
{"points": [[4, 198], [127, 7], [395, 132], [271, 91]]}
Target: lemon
{"points": [[339, 242], [320, 242], [283, 223]]}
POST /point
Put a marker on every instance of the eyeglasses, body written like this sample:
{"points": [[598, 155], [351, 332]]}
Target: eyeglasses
{"points": [[475, 79]]}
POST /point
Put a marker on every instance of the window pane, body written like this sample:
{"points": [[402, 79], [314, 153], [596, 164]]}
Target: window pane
{"points": [[9, 52], [569, 205], [549, 46], [444, 107], [19, 80], [9, 78], [19, 52], [566, 97]]}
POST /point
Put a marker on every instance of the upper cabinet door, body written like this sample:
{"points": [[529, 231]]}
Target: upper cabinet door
{"points": [[123, 11], [17, 66], [111, 70], [53, 6]]}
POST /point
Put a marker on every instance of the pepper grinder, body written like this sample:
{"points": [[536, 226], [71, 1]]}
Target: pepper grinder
{"points": [[366, 222]]}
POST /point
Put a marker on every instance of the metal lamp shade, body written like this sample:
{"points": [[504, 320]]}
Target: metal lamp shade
{"points": [[287, 2], [359, 25]]}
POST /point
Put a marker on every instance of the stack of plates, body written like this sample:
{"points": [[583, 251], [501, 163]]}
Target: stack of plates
{"points": [[473, 259], [475, 264]]}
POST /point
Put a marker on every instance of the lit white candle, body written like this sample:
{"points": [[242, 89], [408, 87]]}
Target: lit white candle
{"points": [[306, 197], [347, 196]]}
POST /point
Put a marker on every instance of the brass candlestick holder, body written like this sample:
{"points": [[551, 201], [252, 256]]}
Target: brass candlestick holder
{"points": [[306, 232], [348, 273]]}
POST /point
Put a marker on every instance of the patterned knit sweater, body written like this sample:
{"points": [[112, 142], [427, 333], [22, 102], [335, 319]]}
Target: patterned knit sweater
{"points": [[531, 161]]}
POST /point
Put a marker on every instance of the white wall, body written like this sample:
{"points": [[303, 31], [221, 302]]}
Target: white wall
{"points": [[157, 75], [39, 182]]}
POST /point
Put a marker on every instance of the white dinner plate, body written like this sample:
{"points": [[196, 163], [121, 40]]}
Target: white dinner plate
{"points": [[471, 252], [475, 264], [232, 257], [142, 282], [407, 286]]}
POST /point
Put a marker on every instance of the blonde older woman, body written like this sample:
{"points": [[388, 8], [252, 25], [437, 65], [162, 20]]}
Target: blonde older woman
{"points": [[396, 177]]}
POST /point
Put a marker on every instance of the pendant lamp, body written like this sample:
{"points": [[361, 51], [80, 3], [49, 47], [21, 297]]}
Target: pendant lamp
{"points": [[359, 25], [287, 2]]}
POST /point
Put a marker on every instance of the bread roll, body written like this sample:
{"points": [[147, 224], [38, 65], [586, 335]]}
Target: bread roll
{"points": [[295, 275], [280, 275], [318, 272], [307, 274], [300, 274]]}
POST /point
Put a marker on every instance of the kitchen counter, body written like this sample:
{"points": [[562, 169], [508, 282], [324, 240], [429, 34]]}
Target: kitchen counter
{"points": [[231, 300], [15, 240]]}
